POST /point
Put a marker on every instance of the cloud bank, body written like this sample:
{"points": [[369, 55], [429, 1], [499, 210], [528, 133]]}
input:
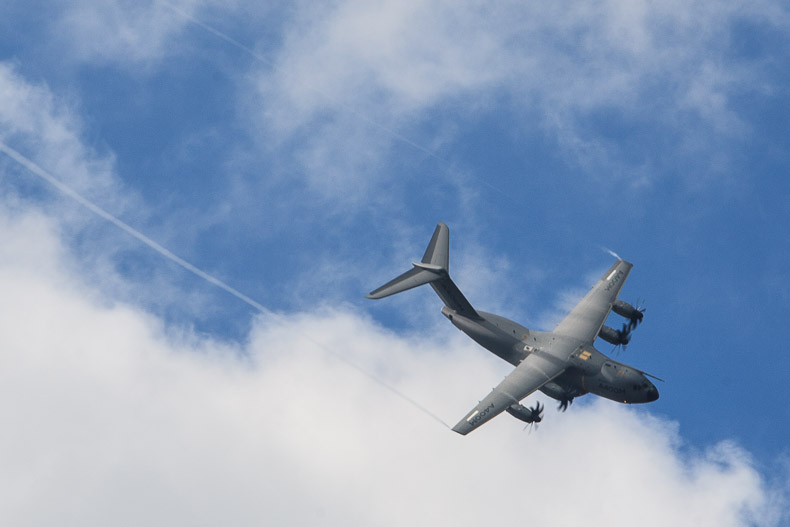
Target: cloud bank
{"points": [[568, 70], [115, 416], [112, 417]]}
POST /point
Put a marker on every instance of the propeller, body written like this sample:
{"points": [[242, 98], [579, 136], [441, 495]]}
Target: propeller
{"points": [[625, 338], [625, 332], [636, 318], [564, 403], [537, 412], [531, 426], [535, 417]]}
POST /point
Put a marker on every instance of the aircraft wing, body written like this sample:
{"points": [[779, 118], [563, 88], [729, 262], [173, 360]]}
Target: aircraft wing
{"points": [[585, 320], [534, 371]]}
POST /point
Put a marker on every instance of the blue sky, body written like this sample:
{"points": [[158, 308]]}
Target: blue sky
{"points": [[302, 153]]}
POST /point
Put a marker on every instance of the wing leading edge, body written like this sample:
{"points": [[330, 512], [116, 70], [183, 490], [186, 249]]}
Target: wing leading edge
{"points": [[585, 320], [533, 372]]}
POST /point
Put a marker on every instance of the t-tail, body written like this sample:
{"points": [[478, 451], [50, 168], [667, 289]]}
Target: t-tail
{"points": [[434, 269]]}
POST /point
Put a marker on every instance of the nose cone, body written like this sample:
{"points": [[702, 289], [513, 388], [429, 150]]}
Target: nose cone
{"points": [[652, 394]]}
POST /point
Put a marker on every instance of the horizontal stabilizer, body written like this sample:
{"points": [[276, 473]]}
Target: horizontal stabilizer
{"points": [[408, 280]]}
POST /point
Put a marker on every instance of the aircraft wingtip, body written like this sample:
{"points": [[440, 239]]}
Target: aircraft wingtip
{"points": [[460, 429]]}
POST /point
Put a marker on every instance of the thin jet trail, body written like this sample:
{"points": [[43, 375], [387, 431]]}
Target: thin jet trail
{"points": [[36, 170]]}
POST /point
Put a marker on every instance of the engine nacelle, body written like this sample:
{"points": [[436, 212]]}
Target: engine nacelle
{"points": [[614, 336], [624, 309], [528, 415]]}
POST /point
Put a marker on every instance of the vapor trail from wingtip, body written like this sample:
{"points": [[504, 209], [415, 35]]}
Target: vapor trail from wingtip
{"points": [[611, 252], [33, 168]]}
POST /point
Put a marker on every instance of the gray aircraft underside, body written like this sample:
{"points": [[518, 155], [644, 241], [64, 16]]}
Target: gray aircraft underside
{"points": [[563, 363]]}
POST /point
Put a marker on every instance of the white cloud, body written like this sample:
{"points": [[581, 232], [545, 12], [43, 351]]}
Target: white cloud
{"points": [[350, 79], [110, 417], [665, 66], [49, 129], [396, 55], [113, 417], [121, 32]]}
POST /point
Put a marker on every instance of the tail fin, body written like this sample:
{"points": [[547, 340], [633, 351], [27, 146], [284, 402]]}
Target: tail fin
{"points": [[434, 270], [438, 251]]}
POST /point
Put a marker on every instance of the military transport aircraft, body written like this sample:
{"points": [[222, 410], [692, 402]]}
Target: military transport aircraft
{"points": [[563, 363]]}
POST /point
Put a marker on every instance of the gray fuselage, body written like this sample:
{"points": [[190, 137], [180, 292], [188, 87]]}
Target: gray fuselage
{"points": [[587, 369]]}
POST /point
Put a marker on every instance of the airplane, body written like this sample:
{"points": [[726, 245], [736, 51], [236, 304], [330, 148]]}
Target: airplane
{"points": [[563, 364]]}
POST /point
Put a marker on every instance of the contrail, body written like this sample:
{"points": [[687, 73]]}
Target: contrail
{"points": [[216, 32], [65, 189], [33, 168]]}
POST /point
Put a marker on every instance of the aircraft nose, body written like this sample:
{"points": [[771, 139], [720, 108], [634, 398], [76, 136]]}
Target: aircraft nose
{"points": [[652, 394]]}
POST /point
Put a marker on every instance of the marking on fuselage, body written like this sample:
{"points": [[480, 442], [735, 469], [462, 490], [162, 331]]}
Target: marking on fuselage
{"points": [[611, 389], [585, 355]]}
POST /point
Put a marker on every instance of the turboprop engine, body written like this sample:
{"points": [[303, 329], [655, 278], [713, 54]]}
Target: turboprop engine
{"points": [[617, 337], [528, 415], [624, 309], [622, 336]]}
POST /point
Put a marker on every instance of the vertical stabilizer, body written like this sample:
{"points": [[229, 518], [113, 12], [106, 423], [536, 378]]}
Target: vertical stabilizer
{"points": [[438, 251]]}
